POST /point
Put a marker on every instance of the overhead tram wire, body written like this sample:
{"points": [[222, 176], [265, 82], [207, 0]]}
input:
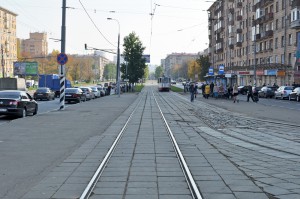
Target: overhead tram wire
{"points": [[96, 25]]}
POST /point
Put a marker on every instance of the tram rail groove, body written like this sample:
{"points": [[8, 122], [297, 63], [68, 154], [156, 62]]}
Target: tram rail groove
{"points": [[91, 185], [187, 174]]}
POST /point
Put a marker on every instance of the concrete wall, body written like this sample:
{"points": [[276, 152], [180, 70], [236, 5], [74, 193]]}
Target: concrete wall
{"points": [[12, 84]]}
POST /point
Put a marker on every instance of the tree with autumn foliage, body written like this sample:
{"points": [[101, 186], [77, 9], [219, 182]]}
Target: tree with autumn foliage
{"points": [[204, 64], [193, 70]]}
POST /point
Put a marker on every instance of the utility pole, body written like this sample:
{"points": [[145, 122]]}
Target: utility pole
{"points": [[63, 50], [2, 61], [254, 70]]}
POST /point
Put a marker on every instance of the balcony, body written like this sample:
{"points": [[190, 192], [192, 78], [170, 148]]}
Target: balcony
{"points": [[239, 5], [269, 33], [295, 24], [267, 2], [270, 16], [231, 46], [220, 30], [239, 18], [219, 40], [231, 10], [258, 36], [295, 4], [239, 30], [239, 44], [220, 50]]}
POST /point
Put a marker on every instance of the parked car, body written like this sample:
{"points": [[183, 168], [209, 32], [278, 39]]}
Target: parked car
{"points": [[295, 94], [88, 92], [267, 91], [283, 92], [101, 90], [44, 93], [96, 91], [74, 95], [243, 90], [17, 103]]}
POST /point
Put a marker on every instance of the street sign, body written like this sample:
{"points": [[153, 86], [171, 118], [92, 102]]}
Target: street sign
{"points": [[62, 58], [126, 80]]}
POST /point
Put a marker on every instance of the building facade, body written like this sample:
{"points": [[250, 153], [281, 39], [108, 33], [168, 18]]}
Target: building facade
{"points": [[255, 41], [35, 46], [176, 59], [8, 41]]}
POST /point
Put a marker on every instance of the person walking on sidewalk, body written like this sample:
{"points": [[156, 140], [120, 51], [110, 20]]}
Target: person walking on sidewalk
{"points": [[207, 91], [250, 93], [235, 92], [192, 90], [196, 90]]}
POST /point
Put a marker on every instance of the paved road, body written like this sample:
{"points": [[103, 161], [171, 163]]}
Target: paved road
{"points": [[229, 157]]}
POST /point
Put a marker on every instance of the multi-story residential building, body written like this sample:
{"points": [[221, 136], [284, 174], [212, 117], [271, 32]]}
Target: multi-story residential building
{"points": [[8, 41], [178, 59], [255, 41], [100, 62], [35, 46]]}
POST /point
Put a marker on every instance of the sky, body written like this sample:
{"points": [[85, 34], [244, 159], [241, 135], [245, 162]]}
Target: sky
{"points": [[163, 26]]}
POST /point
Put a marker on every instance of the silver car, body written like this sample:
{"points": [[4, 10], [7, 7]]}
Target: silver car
{"points": [[283, 92]]}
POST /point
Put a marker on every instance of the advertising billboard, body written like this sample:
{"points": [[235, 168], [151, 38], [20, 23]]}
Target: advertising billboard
{"points": [[25, 68]]}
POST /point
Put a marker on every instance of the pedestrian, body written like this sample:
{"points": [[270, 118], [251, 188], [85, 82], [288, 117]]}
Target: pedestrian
{"points": [[203, 89], [235, 92], [212, 88], [221, 90], [216, 91], [250, 93], [192, 87], [196, 90], [207, 91]]}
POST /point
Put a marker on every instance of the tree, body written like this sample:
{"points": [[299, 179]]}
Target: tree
{"points": [[146, 72], [204, 64], [133, 56], [110, 71], [193, 69], [159, 71]]}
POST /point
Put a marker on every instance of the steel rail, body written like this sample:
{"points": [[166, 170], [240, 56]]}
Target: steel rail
{"points": [[188, 175], [90, 187]]}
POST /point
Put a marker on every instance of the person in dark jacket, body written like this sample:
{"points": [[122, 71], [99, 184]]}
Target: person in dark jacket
{"points": [[192, 91], [250, 94]]}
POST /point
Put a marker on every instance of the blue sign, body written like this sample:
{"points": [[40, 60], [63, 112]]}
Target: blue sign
{"points": [[62, 58], [211, 71], [147, 58], [221, 69], [271, 72]]}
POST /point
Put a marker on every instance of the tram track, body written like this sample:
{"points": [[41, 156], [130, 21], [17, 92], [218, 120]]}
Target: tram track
{"points": [[226, 125], [195, 193]]}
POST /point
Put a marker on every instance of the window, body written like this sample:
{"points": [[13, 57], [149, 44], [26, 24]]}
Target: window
{"points": [[282, 41], [283, 22], [283, 4], [290, 39], [276, 43], [290, 59], [276, 24], [282, 58], [277, 6], [276, 59]]}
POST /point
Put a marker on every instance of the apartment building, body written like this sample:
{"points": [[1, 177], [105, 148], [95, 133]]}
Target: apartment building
{"points": [[255, 41], [35, 46], [8, 42], [176, 59]]}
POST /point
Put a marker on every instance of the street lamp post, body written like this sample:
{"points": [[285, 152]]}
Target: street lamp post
{"points": [[118, 56]]}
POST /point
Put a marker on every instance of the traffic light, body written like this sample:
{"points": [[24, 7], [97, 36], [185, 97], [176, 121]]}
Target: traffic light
{"points": [[85, 46]]}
